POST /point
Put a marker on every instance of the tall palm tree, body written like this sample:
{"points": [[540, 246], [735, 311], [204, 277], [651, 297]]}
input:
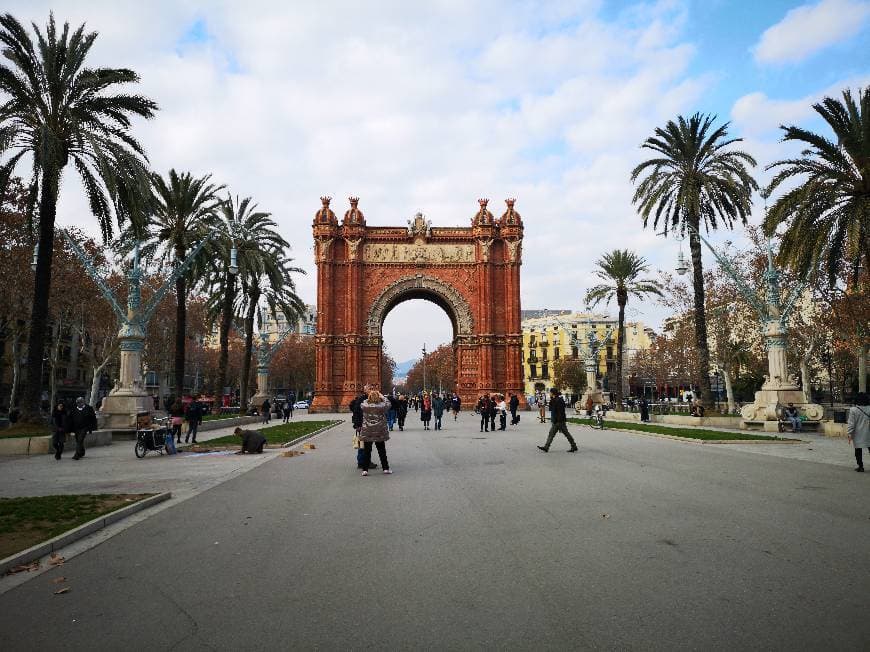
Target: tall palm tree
{"points": [[57, 111], [620, 270], [696, 177], [184, 207], [827, 217], [249, 231], [269, 280]]}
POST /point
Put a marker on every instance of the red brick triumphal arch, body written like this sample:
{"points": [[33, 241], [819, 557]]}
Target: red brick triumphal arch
{"points": [[363, 272]]}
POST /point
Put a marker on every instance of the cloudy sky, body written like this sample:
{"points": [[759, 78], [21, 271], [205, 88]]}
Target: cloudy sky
{"points": [[428, 106]]}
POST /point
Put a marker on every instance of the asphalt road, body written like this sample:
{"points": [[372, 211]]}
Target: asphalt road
{"points": [[480, 541]]}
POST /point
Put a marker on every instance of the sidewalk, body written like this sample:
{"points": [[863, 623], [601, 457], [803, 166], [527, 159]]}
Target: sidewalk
{"points": [[116, 469]]}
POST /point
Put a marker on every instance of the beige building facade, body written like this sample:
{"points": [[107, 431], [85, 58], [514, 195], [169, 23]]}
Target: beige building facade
{"points": [[549, 336]]}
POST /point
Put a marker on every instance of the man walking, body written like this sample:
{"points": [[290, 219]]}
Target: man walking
{"points": [[558, 422], [514, 405], [82, 420], [194, 418]]}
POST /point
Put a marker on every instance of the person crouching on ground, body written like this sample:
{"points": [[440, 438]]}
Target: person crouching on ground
{"points": [[858, 427], [374, 430], [252, 440], [557, 422]]}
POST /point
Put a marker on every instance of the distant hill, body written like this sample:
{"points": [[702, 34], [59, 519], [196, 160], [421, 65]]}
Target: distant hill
{"points": [[402, 368]]}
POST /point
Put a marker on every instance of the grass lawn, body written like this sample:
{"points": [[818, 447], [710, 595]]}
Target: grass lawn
{"points": [[24, 522], [25, 430], [676, 431], [280, 434]]}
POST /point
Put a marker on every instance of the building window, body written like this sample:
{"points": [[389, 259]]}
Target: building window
{"points": [[533, 371], [574, 352], [545, 372], [556, 353]]}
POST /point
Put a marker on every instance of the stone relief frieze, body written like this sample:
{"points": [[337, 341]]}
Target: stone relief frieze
{"points": [[429, 254]]}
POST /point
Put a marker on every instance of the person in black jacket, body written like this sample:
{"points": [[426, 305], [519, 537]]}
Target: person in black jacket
{"points": [[402, 410], [194, 418], [514, 405], [59, 419], [558, 421], [81, 421]]}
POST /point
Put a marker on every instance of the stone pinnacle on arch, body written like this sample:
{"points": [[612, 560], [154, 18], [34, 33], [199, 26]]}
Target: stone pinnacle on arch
{"points": [[483, 216], [354, 215], [511, 216], [325, 214]]}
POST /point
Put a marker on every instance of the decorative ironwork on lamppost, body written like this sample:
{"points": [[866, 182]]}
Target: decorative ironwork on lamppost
{"points": [[424, 366], [128, 396], [779, 387]]}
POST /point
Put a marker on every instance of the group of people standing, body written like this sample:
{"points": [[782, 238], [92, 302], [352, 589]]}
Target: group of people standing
{"points": [[490, 406]]}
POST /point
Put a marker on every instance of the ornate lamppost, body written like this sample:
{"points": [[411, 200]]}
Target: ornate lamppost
{"points": [[128, 396], [779, 387], [265, 352]]}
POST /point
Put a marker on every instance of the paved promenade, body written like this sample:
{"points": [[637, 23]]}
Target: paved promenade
{"points": [[478, 541]]}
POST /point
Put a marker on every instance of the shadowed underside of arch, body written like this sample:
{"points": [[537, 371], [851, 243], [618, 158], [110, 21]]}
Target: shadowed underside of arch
{"points": [[364, 272]]}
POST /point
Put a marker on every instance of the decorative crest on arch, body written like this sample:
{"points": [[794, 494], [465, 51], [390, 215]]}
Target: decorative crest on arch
{"points": [[461, 317]]}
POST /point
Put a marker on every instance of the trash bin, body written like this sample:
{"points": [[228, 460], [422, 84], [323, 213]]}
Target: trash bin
{"points": [[840, 416]]}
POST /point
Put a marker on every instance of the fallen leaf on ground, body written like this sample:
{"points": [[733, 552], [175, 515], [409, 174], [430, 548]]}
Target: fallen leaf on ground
{"points": [[63, 590], [309, 446], [605, 516], [58, 580], [25, 568], [55, 560]]}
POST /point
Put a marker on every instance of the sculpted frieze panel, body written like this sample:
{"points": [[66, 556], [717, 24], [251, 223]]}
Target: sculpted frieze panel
{"points": [[430, 254]]}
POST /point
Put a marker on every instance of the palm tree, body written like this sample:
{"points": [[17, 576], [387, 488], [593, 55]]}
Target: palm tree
{"points": [[695, 178], [59, 112], [247, 231], [827, 217], [268, 279], [620, 270], [184, 208]]}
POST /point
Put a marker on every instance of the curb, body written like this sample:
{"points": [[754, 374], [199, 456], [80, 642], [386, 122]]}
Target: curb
{"points": [[58, 542], [692, 440], [312, 434]]}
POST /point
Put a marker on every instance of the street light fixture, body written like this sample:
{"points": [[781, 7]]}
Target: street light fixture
{"points": [[234, 263], [35, 257], [424, 366]]}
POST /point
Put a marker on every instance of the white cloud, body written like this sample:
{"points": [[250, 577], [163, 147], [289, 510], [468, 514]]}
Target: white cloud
{"points": [[809, 28]]}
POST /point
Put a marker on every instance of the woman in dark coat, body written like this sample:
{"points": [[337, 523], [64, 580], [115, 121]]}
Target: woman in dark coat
{"points": [[59, 429], [374, 430], [644, 410], [402, 410]]}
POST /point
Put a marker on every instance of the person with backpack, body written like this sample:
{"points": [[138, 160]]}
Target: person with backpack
{"points": [[858, 428]]}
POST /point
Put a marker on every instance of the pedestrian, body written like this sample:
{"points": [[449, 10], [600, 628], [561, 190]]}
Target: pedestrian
{"points": [[194, 418], [483, 408], [644, 410], [392, 411], [266, 411], [792, 414], [402, 410], [416, 402], [501, 406], [858, 427], [253, 441], [541, 402], [357, 422], [455, 405], [374, 430], [176, 413], [590, 405], [58, 429], [426, 410], [81, 421], [514, 405], [438, 409], [558, 422], [493, 409]]}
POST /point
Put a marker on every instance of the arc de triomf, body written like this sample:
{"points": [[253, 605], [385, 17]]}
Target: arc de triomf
{"points": [[363, 272]]}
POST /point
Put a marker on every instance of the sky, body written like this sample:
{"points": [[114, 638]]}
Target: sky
{"points": [[428, 106]]}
